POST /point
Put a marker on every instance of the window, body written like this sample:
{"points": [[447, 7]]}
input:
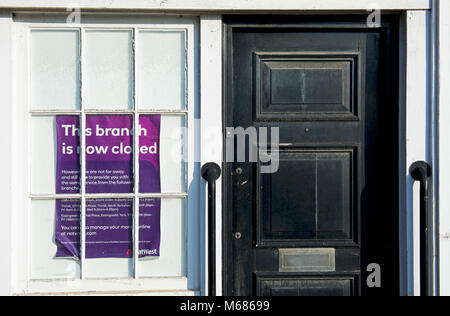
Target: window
{"points": [[105, 202]]}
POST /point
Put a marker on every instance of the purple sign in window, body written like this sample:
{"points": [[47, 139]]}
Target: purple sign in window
{"points": [[109, 169]]}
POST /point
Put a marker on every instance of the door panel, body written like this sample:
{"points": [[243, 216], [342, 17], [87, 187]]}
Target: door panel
{"points": [[312, 227], [313, 189], [305, 85], [308, 286]]}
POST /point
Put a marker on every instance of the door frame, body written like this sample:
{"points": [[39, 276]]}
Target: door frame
{"points": [[413, 143]]}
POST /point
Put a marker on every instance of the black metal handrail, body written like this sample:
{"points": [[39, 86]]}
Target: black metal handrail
{"points": [[421, 171], [211, 172]]}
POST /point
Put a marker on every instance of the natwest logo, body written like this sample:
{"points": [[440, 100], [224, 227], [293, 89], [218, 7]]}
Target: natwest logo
{"points": [[148, 252]]}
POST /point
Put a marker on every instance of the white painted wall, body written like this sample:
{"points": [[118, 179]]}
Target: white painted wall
{"points": [[417, 127], [218, 5], [6, 102], [211, 119]]}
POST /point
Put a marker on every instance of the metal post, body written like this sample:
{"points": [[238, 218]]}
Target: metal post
{"points": [[421, 171], [211, 172]]}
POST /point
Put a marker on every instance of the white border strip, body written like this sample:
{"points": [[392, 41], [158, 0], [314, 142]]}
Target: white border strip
{"points": [[211, 124], [417, 131], [6, 159], [221, 5]]}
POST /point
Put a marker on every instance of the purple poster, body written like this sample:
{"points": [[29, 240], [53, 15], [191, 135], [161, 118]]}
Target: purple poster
{"points": [[109, 169]]}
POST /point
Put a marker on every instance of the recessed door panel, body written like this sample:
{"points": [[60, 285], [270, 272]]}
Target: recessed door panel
{"points": [[314, 189], [312, 286], [302, 85]]}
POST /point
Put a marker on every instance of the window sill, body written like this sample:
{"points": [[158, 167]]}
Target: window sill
{"points": [[147, 286]]}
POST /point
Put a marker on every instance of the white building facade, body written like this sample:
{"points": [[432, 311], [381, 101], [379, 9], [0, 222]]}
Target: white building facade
{"points": [[168, 59]]}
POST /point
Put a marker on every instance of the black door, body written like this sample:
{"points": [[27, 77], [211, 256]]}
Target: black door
{"points": [[328, 218]]}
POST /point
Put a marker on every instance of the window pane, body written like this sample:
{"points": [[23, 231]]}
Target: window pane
{"points": [[109, 238], [109, 154], [108, 80], [54, 159], [171, 172], [55, 70], [172, 253], [162, 67], [54, 239]]}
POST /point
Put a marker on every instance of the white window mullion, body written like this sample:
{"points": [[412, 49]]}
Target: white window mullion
{"points": [[82, 165], [53, 112], [136, 166], [96, 196], [136, 202], [83, 195]]}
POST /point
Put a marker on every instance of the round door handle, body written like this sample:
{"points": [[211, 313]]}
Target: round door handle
{"points": [[237, 235]]}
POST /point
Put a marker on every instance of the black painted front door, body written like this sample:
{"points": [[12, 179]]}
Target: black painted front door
{"points": [[326, 221]]}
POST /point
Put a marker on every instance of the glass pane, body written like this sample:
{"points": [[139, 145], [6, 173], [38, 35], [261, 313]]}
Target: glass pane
{"points": [[162, 237], [55, 239], [109, 238], [55, 69], [109, 154], [149, 153], [54, 160], [165, 171], [55, 165], [108, 79], [162, 70]]}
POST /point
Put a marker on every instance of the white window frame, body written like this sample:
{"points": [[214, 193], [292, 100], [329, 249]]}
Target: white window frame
{"points": [[6, 141], [22, 283]]}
